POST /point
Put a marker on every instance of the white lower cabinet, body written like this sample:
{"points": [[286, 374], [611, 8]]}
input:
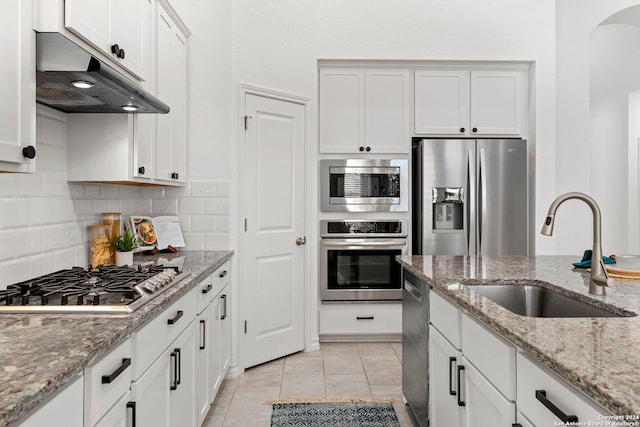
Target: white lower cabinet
{"points": [[61, 410], [121, 415], [163, 386], [443, 396], [354, 321], [473, 385], [165, 394], [477, 379], [546, 400], [106, 383], [483, 404], [213, 342]]}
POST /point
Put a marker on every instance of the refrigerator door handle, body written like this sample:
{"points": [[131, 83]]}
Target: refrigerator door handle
{"points": [[482, 199], [471, 225]]}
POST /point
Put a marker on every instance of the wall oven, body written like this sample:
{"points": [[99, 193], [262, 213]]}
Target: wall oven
{"points": [[357, 260], [364, 185]]}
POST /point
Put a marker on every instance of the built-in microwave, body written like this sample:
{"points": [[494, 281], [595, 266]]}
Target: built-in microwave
{"points": [[364, 185]]}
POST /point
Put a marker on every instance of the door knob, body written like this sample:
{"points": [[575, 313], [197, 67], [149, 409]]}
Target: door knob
{"points": [[301, 241]]}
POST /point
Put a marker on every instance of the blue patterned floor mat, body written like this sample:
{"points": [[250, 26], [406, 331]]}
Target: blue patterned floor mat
{"points": [[334, 414]]}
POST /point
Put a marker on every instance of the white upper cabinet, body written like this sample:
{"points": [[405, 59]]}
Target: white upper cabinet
{"points": [[470, 103], [441, 102], [364, 110], [139, 148], [171, 86], [17, 91], [119, 28]]}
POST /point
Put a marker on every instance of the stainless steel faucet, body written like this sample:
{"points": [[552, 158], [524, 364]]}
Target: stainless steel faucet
{"points": [[599, 279]]}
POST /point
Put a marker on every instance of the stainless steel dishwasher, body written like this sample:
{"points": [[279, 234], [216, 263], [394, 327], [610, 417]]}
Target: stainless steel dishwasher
{"points": [[415, 343]]}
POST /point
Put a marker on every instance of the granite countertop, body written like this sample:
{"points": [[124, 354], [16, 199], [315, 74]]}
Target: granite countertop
{"points": [[40, 353], [599, 356]]}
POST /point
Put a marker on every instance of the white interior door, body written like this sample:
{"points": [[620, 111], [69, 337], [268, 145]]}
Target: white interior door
{"points": [[274, 211]]}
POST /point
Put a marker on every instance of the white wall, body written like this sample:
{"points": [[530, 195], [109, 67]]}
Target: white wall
{"points": [[615, 74], [276, 45], [579, 150]]}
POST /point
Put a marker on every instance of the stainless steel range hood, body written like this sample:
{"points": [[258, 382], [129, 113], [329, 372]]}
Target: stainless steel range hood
{"points": [[62, 66]]}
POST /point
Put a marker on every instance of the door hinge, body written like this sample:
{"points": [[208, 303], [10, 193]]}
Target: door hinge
{"points": [[245, 224], [245, 326], [246, 119]]}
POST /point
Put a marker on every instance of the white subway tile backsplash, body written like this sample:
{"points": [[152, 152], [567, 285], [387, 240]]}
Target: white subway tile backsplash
{"points": [[28, 241], [63, 210], [204, 223], [53, 237], [65, 258], [222, 224], [223, 189], [191, 206], [14, 213], [7, 244], [40, 211], [215, 241], [216, 206], [194, 241], [203, 189], [41, 264], [16, 270]]}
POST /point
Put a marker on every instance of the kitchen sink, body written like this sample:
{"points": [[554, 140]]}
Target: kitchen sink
{"points": [[539, 301]]}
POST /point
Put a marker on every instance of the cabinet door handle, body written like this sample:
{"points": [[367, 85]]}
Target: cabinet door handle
{"points": [[461, 130], [141, 170], [368, 149], [361, 148], [460, 401], [132, 406], [174, 381], [516, 425], [224, 273], [541, 395], [364, 317], [179, 376], [203, 334], [474, 130], [175, 319], [452, 363], [224, 306], [207, 289], [108, 379]]}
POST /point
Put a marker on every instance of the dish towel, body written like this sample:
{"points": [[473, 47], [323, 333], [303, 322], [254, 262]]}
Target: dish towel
{"points": [[586, 260]]}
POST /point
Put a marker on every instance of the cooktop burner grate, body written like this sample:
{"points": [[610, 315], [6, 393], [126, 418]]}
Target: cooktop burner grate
{"points": [[110, 289]]}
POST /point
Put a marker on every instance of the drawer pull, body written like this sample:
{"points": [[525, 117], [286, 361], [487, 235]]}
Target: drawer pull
{"points": [[364, 317], [516, 425], [452, 363], [175, 319], [207, 289], [460, 401], [224, 273], [108, 379], [541, 395], [132, 406]]}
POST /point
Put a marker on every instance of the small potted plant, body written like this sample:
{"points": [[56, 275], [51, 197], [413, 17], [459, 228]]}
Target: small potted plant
{"points": [[124, 245]]}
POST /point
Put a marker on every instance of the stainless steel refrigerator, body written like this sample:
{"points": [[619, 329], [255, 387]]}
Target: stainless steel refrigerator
{"points": [[470, 197]]}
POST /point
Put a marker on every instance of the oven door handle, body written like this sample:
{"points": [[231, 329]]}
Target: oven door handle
{"points": [[344, 243]]}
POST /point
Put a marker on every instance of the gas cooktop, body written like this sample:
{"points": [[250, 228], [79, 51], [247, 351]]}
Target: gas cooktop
{"points": [[107, 290]]}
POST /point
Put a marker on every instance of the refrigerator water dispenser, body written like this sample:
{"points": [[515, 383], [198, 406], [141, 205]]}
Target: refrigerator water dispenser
{"points": [[448, 208]]}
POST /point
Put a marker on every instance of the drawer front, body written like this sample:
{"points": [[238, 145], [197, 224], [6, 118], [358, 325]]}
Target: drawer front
{"points": [[491, 355], [361, 319], [204, 293], [221, 277], [107, 381], [532, 377], [150, 341], [445, 317]]}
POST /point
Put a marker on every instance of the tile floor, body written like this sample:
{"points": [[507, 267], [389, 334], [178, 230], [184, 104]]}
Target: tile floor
{"points": [[337, 370]]}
